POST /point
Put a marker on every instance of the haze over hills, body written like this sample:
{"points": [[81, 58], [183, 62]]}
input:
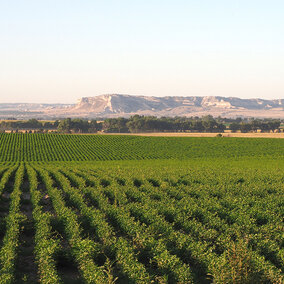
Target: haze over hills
{"points": [[115, 105]]}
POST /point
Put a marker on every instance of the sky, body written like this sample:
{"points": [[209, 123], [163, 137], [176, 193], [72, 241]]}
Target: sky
{"points": [[58, 51]]}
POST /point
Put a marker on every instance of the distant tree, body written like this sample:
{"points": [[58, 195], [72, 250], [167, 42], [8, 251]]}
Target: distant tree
{"points": [[274, 125], [64, 126], [49, 125], [56, 123], [32, 123], [245, 127], [197, 125], [116, 125], [135, 123], [234, 126], [94, 126], [255, 125], [79, 125]]}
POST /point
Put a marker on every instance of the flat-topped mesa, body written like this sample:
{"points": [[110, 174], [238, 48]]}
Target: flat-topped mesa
{"points": [[115, 105], [127, 104]]}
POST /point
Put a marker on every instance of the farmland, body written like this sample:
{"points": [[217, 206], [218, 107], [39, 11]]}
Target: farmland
{"points": [[133, 209], [60, 147]]}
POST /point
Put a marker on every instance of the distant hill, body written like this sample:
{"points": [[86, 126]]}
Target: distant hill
{"points": [[115, 105], [30, 110]]}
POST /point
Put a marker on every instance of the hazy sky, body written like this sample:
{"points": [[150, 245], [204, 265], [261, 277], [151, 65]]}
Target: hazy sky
{"points": [[59, 51]]}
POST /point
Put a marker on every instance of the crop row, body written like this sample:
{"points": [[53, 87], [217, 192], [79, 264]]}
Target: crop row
{"points": [[149, 212], [144, 224], [13, 221], [57, 147]]}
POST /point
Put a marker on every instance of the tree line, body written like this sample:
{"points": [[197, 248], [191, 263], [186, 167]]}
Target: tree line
{"points": [[137, 123]]}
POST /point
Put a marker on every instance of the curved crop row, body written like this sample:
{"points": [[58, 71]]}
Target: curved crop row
{"points": [[8, 252]]}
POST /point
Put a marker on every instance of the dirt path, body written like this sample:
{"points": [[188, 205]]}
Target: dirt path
{"points": [[176, 134]]}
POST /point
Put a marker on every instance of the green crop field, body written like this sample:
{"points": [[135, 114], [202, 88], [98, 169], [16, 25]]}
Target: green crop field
{"points": [[56, 147], [133, 209]]}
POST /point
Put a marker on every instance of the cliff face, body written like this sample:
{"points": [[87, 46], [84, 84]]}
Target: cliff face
{"points": [[124, 105], [115, 105]]}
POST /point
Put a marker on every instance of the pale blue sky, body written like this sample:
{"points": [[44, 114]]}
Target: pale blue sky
{"points": [[59, 51]]}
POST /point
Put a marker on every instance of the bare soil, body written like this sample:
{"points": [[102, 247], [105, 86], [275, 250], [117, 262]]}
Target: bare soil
{"points": [[182, 134]]}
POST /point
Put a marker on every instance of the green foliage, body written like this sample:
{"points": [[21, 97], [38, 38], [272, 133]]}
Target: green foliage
{"points": [[215, 215], [138, 123], [58, 147]]}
